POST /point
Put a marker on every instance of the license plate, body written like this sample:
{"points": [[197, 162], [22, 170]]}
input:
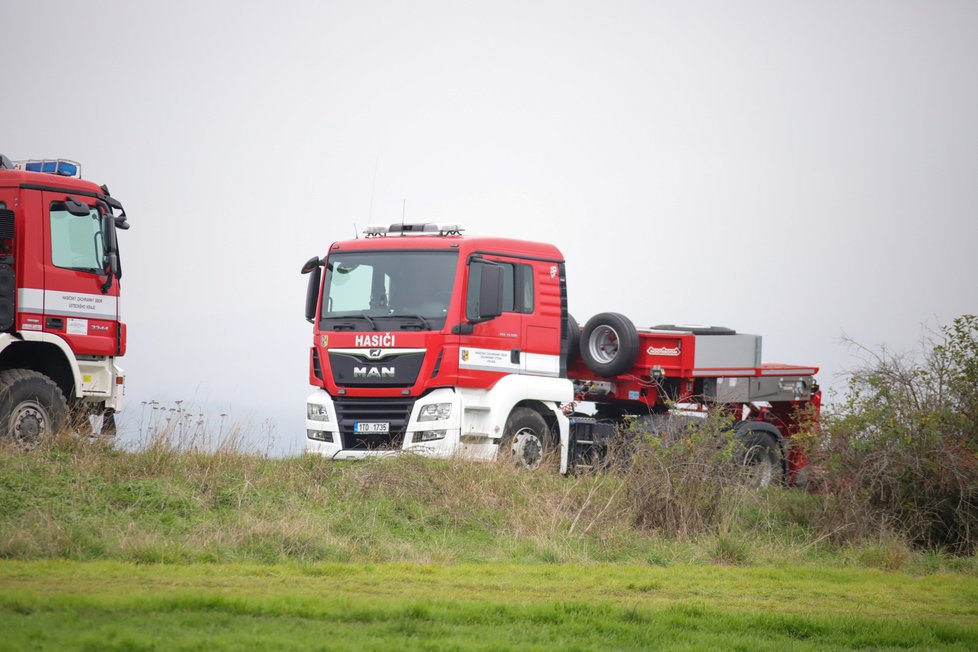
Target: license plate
{"points": [[371, 426]]}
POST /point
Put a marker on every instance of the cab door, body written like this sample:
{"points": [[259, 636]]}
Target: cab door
{"points": [[81, 301], [494, 347]]}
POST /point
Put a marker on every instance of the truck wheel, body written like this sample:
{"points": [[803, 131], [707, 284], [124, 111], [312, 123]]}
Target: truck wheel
{"points": [[108, 424], [573, 342], [32, 406], [609, 344], [527, 439], [761, 459]]}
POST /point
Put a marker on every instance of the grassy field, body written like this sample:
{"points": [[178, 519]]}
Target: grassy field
{"points": [[168, 549], [112, 605]]}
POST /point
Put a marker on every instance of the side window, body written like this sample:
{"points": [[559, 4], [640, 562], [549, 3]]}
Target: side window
{"points": [[526, 305], [76, 242], [517, 288]]}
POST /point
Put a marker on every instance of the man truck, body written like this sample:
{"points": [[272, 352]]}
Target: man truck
{"points": [[426, 340]]}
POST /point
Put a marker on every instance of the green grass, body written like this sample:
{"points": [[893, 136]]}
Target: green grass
{"points": [[111, 605], [71, 501], [102, 549]]}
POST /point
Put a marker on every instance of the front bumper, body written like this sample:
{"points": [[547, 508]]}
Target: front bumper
{"points": [[334, 437]]}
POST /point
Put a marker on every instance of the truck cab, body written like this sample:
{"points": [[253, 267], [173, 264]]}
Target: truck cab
{"points": [[426, 340], [60, 327]]}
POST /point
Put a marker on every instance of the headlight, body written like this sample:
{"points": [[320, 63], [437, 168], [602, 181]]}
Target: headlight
{"points": [[317, 412], [435, 412], [429, 435], [320, 435]]}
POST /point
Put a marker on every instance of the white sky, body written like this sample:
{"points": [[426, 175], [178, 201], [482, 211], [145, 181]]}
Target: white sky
{"points": [[793, 169]]}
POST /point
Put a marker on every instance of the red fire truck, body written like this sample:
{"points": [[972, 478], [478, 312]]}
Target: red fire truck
{"points": [[430, 341], [60, 332]]}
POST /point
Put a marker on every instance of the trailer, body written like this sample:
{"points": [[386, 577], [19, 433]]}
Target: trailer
{"points": [[429, 341]]}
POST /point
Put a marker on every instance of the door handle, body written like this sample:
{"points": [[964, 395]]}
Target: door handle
{"points": [[514, 356], [54, 323]]}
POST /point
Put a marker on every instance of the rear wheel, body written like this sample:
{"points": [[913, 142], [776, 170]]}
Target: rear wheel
{"points": [[527, 441], [761, 459], [32, 406]]}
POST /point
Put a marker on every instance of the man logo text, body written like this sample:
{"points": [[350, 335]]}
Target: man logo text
{"points": [[373, 372]]}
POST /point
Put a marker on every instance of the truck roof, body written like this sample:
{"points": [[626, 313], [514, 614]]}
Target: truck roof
{"points": [[44, 181], [463, 243]]}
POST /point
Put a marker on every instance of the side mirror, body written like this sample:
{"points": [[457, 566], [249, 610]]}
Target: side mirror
{"points": [[491, 292], [312, 291], [110, 243], [112, 263], [77, 208], [311, 264]]}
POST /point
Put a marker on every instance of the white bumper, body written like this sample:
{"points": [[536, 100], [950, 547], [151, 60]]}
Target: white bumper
{"points": [[472, 430], [439, 438]]}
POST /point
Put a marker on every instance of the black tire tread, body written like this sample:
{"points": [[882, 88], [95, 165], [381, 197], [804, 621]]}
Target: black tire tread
{"points": [[517, 419], [628, 344], [9, 378]]}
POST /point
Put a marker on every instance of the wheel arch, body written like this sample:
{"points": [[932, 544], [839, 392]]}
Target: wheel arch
{"points": [[47, 354], [544, 411]]}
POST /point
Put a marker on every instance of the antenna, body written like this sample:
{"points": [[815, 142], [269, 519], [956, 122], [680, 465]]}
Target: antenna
{"points": [[356, 232], [403, 211], [373, 187]]}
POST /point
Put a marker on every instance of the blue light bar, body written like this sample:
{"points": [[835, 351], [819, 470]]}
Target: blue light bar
{"points": [[61, 167]]}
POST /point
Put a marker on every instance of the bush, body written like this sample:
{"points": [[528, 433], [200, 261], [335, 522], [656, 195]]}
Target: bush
{"points": [[902, 450], [686, 480]]}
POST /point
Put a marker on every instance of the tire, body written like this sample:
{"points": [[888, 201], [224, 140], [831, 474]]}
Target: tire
{"points": [[761, 460], [696, 330], [573, 342], [527, 442], [32, 406], [609, 344], [108, 424]]}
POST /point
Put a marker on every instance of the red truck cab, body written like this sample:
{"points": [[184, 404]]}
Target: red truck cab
{"points": [[60, 270]]}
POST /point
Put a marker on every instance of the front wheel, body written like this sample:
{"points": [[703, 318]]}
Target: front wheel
{"points": [[32, 406], [526, 441]]}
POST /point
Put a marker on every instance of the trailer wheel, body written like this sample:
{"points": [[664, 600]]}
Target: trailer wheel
{"points": [[32, 406], [527, 439], [108, 424], [761, 459], [573, 342], [609, 344]]}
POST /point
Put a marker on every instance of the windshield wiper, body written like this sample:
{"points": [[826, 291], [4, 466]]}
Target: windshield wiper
{"points": [[347, 325], [420, 318]]}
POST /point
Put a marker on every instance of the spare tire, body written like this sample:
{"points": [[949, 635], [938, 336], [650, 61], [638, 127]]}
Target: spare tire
{"points": [[572, 345], [696, 330], [609, 344]]}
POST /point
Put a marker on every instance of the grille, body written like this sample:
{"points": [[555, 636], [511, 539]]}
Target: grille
{"points": [[395, 411]]}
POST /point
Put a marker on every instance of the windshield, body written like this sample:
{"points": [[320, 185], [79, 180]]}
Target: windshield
{"points": [[76, 241], [370, 290]]}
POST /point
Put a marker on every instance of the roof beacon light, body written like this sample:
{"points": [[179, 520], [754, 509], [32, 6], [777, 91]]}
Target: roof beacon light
{"points": [[375, 231], [410, 229], [59, 166]]}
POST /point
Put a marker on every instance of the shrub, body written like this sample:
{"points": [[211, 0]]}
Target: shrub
{"points": [[902, 450], [684, 481]]}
